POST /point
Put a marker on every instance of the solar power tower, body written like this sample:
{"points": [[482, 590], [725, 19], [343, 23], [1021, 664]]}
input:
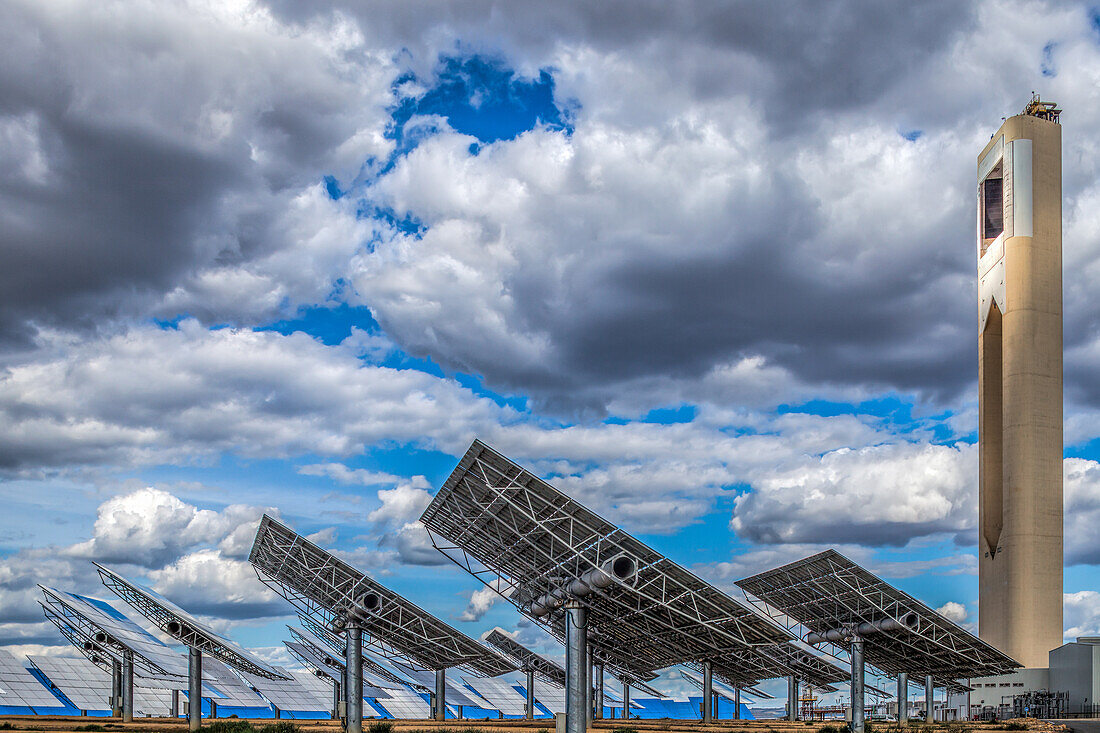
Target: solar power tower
{"points": [[841, 603], [192, 633], [348, 602], [105, 636], [588, 582]]}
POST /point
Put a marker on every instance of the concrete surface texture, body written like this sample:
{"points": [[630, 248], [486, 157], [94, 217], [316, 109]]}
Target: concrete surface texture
{"points": [[1020, 391]]}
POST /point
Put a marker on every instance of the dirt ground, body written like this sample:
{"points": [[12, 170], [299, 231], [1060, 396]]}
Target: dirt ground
{"points": [[62, 724]]}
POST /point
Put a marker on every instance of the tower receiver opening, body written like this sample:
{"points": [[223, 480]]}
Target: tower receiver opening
{"points": [[992, 203]]}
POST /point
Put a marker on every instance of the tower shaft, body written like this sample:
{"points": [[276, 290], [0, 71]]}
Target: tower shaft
{"points": [[1020, 388]]}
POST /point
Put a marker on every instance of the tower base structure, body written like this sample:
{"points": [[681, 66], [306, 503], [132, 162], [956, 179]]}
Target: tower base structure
{"points": [[1071, 682]]}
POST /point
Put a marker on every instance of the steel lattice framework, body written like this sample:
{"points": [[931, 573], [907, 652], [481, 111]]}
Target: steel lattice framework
{"points": [[425, 680], [721, 687], [322, 586], [777, 660], [307, 655], [828, 591], [336, 643], [322, 633], [181, 625], [527, 660], [622, 666], [639, 685], [80, 621], [552, 673], [316, 659], [99, 656], [623, 663], [522, 537], [721, 676]]}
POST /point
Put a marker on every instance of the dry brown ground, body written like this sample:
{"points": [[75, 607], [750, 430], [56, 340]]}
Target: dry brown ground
{"points": [[62, 724]]}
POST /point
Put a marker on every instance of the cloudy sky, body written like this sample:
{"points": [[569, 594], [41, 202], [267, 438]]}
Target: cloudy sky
{"points": [[708, 269]]}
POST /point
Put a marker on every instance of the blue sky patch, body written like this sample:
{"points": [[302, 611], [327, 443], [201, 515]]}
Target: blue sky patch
{"points": [[484, 98], [1047, 64], [332, 187], [477, 96], [892, 410], [671, 415], [330, 326]]}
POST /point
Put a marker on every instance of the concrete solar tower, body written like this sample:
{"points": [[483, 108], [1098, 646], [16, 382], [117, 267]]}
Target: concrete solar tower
{"points": [[1020, 385]]}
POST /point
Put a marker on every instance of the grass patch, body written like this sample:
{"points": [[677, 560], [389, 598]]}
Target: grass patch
{"points": [[90, 727], [283, 726], [381, 726], [624, 729], [229, 726], [1014, 725], [832, 729], [7, 726]]}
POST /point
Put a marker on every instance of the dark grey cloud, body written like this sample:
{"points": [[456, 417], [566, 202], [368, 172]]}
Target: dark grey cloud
{"points": [[688, 314], [118, 224], [802, 57], [669, 252], [845, 305], [141, 148], [154, 183]]}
